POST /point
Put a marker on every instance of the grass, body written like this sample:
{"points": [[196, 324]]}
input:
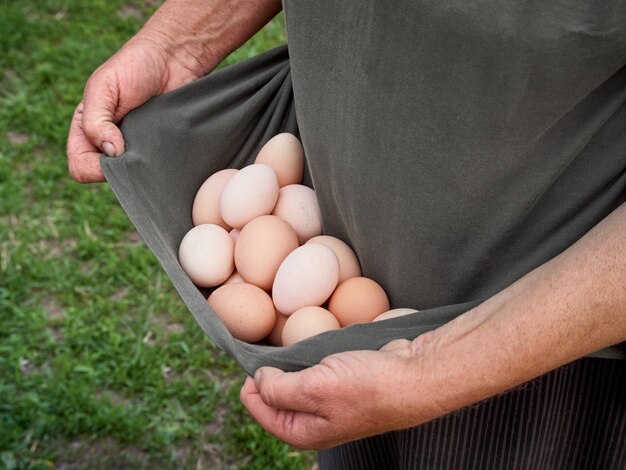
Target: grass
{"points": [[101, 365]]}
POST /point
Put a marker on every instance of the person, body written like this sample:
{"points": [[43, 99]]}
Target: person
{"points": [[507, 384]]}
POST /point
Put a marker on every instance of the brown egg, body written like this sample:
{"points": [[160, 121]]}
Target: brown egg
{"points": [[206, 205], [358, 300], [306, 322], [285, 155], [348, 262], [246, 310], [234, 277], [275, 338], [396, 312], [297, 204], [261, 247]]}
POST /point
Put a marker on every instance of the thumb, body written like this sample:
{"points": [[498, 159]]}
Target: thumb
{"points": [[284, 390], [99, 116]]}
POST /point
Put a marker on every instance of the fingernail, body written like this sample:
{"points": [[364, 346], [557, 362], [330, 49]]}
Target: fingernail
{"points": [[258, 375], [109, 149]]}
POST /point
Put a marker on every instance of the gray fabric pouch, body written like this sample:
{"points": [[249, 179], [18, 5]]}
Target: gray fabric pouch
{"points": [[175, 141]]}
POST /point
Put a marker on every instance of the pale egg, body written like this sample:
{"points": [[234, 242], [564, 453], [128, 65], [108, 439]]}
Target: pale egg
{"points": [[250, 193], [297, 204], [358, 300], [396, 312], [206, 254], [348, 262], [206, 205], [306, 277], [261, 247], [306, 322], [246, 310], [284, 153]]}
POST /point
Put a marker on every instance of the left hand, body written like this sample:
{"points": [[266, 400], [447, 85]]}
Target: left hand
{"points": [[562, 310], [347, 396]]}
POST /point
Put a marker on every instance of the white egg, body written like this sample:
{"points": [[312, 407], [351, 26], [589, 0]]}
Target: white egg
{"points": [[206, 254], [250, 193], [396, 312], [306, 277], [297, 204]]}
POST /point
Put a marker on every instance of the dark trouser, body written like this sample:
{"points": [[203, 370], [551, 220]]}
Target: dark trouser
{"points": [[571, 418]]}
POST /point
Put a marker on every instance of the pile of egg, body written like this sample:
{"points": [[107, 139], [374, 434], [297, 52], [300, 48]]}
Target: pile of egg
{"points": [[258, 236]]}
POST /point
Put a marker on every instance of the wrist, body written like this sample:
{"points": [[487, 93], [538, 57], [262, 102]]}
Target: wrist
{"points": [[411, 388], [199, 34], [453, 366]]}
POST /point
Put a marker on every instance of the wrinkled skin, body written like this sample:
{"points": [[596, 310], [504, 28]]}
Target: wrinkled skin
{"points": [[139, 71], [347, 396]]}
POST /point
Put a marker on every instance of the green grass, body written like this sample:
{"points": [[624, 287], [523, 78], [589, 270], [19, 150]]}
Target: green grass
{"points": [[101, 365]]}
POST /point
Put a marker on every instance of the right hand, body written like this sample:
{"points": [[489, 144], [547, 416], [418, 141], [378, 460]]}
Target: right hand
{"points": [[181, 42], [137, 72]]}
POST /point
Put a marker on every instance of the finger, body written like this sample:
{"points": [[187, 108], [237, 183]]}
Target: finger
{"points": [[99, 117], [285, 390], [83, 158], [302, 430], [264, 414]]}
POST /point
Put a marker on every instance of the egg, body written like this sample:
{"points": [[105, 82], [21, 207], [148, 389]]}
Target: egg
{"points": [[348, 262], [396, 312], [206, 254], [306, 322], [358, 300], [250, 193], [297, 204], [306, 277], [234, 234], [275, 336], [285, 155], [206, 205], [234, 277], [261, 247], [246, 310]]}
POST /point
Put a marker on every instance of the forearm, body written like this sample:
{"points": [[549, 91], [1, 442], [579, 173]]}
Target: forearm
{"points": [[203, 32], [567, 308]]}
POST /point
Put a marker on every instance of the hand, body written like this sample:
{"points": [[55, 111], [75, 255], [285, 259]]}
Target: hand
{"points": [[139, 71], [566, 308], [182, 41], [347, 396]]}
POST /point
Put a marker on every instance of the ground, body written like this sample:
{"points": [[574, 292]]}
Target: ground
{"points": [[101, 365]]}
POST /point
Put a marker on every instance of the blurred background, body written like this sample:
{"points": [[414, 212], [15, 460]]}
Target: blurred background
{"points": [[101, 365]]}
